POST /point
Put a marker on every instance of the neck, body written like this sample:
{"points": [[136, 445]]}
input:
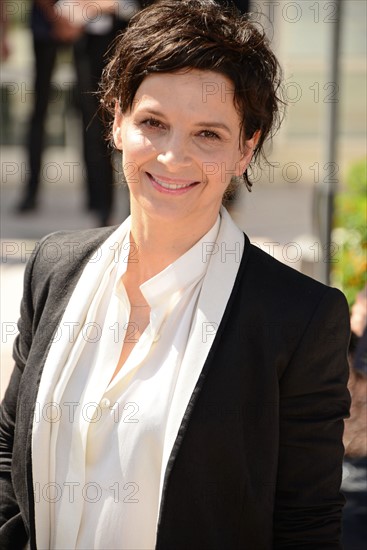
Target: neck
{"points": [[158, 243]]}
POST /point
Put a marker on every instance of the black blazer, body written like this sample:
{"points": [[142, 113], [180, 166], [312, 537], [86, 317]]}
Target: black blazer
{"points": [[257, 460]]}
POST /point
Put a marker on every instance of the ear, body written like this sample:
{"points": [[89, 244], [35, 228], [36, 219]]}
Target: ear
{"points": [[116, 128], [248, 151]]}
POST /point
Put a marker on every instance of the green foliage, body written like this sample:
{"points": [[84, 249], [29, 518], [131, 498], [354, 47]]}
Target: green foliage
{"points": [[350, 233]]}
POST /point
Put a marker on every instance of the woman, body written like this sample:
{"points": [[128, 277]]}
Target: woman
{"points": [[175, 387]]}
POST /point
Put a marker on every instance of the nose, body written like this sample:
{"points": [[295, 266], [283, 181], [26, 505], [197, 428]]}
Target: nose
{"points": [[174, 153]]}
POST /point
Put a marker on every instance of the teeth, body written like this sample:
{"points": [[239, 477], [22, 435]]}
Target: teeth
{"points": [[170, 185]]}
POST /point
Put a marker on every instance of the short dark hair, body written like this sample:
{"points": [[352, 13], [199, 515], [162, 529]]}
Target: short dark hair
{"points": [[178, 35]]}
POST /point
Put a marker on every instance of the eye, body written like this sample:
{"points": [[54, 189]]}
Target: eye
{"points": [[209, 134], [152, 123]]}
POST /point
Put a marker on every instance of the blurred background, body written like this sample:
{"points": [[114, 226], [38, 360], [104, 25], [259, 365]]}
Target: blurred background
{"points": [[307, 208]]}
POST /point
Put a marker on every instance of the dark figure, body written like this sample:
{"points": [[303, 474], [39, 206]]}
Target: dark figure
{"points": [[50, 32], [90, 59]]}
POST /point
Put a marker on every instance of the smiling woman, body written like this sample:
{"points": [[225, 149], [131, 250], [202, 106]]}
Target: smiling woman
{"points": [[175, 387]]}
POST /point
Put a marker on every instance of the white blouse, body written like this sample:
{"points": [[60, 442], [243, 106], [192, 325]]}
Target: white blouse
{"points": [[105, 473]]}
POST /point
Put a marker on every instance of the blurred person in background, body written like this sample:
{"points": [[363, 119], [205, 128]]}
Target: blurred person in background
{"points": [[355, 432], [89, 26], [359, 328], [175, 387], [355, 435], [4, 45], [50, 31], [89, 54]]}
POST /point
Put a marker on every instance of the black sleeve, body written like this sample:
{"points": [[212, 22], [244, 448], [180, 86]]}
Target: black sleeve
{"points": [[13, 532], [313, 402]]}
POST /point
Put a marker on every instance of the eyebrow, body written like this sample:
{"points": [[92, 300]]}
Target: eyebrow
{"points": [[218, 125]]}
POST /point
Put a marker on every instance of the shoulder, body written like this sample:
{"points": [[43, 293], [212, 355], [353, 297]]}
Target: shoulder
{"points": [[282, 292], [63, 248], [281, 311], [59, 258], [86, 239]]}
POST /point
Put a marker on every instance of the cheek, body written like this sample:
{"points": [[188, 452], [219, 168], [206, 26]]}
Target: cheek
{"points": [[219, 181], [136, 154], [229, 165], [136, 146]]}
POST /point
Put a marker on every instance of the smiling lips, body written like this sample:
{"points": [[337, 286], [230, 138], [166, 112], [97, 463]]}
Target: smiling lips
{"points": [[167, 185]]}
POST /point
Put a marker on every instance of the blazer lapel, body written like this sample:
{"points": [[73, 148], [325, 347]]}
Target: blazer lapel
{"points": [[224, 260]]}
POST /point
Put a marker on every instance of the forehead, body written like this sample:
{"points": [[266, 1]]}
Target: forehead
{"points": [[195, 91]]}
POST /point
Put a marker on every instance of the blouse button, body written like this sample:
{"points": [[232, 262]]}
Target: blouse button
{"points": [[156, 337], [105, 403]]}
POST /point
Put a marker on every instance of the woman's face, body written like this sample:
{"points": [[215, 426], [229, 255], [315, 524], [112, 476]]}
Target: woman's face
{"points": [[181, 145]]}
